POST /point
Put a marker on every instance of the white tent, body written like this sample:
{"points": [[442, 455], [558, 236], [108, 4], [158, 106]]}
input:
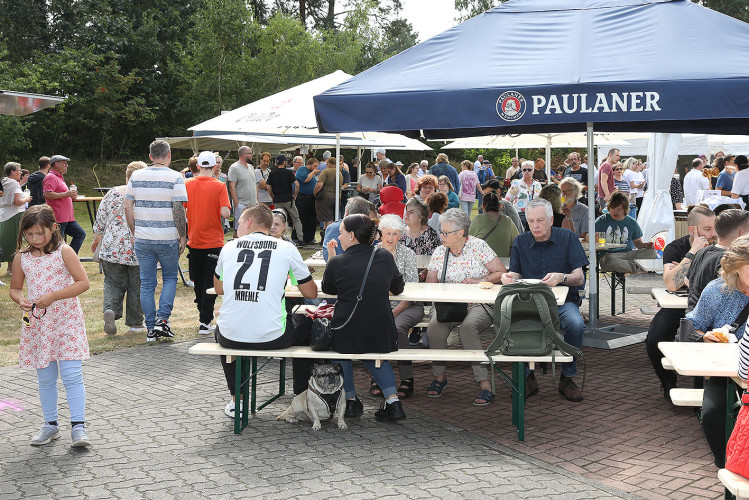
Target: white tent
{"points": [[691, 144], [288, 117], [23, 103]]}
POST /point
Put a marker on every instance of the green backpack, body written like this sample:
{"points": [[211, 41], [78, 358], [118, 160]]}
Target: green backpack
{"points": [[526, 322]]}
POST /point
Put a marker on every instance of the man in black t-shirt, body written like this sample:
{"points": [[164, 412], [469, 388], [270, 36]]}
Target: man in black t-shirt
{"points": [[283, 189], [577, 172], [677, 259], [729, 225]]}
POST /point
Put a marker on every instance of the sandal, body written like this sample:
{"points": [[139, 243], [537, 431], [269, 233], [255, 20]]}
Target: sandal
{"points": [[406, 389], [374, 389], [437, 388], [486, 396]]}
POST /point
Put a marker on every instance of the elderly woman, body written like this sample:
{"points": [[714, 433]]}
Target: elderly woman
{"points": [[553, 195], [407, 314], [370, 326], [418, 235], [721, 303], [437, 203], [462, 259], [445, 186], [118, 261], [573, 210], [427, 185], [12, 205], [523, 190], [370, 183], [494, 227]]}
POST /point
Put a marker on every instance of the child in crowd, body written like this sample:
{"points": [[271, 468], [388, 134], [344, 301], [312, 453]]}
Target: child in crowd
{"points": [[53, 335]]}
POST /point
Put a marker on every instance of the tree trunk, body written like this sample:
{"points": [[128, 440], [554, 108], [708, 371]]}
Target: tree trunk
{"points": [[303, 12], [329, 19]]}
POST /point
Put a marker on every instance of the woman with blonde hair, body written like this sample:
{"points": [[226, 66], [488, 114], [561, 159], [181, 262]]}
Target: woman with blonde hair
{"points": [[115, 245], [722, 303]]}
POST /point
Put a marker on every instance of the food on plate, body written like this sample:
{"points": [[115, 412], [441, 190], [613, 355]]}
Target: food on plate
{"points": [[486, 284], [717, 336]]}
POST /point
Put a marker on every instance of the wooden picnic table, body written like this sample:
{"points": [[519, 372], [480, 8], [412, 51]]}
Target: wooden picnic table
{"points": [[668, 300], [422, 261], [89, 200]]}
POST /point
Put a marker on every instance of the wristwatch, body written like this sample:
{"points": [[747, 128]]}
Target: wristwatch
{"points": [[564, 278], [689, 255]]}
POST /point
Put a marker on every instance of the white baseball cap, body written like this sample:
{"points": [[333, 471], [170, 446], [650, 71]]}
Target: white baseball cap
{"points": [[207, 159]]}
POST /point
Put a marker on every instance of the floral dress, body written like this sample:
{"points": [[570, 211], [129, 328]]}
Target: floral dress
{"points": [[424, 244], [117, 244], [59, 333], [521, 193]]}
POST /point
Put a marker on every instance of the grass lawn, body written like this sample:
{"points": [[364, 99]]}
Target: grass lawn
{"points": [[184, 318]]}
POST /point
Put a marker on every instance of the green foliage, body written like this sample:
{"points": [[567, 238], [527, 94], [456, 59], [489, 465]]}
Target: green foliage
{"points": [[471, 8], [734, 8]]}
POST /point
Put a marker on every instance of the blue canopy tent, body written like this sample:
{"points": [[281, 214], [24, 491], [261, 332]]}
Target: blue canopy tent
{"points": [[558, 66]]}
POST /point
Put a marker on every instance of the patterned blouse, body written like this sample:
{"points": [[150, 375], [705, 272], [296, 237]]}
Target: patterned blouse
{"points": [[470, 264], [677, 193], [405, 261], [424, 244], [117, 241], [520, 193]]}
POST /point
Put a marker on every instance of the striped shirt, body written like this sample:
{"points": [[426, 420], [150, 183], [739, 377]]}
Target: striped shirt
{"points": [[743, 356], [154, 189]]}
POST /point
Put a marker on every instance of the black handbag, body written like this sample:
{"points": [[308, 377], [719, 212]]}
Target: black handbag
{"points": [[321, 335], [687, 333], [450, 312]]}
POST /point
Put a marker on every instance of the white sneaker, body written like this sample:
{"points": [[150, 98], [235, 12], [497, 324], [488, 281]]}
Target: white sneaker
{"points": [[191, 283], [206, 329], [138, 329], [79, 437], [2, 283], [46, 434], [229, 410]]}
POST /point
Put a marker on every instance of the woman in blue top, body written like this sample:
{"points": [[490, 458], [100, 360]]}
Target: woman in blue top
{"points": [[446, 187], [395, 177], [721, 303]]}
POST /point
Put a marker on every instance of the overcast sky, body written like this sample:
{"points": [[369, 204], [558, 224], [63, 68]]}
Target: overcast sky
{"points": [[430, 17]]}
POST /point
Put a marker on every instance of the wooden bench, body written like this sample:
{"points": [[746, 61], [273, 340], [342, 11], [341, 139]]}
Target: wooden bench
{"points": [[734, 483], [686, 397], [246, 378]]}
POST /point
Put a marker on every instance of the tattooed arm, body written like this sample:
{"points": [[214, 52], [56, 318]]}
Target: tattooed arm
{"points": [[178, 211], [675, 275]]}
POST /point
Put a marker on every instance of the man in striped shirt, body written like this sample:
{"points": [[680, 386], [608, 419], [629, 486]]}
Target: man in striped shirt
{"points": [[156, 216]]}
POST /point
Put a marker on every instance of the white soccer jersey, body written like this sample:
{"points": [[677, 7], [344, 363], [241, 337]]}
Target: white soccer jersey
{"points": [[253, 270]]}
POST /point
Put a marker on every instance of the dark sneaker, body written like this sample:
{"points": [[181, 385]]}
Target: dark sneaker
{"points": [[151, 336], [390, 412], [531, 386], [110, 327], [568, 389], [354, 408], [414, 338], [161, 329]]}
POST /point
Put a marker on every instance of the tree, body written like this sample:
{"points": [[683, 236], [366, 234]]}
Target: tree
{"points": [[734, 8], [471, 8]]}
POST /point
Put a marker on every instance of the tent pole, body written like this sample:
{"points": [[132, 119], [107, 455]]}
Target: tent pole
{"points": [[337, 178], [548, 158], [593, 282]]}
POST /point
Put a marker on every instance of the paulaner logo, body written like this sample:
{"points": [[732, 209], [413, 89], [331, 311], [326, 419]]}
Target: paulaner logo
{"points": [[511, 106], [634, 102]]}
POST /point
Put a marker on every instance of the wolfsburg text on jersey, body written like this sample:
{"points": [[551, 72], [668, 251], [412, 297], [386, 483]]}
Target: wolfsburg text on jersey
{"points": [[599, 103]]}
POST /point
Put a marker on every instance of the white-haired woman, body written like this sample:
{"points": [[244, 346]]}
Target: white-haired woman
{"points": [[469, 260], [573, 210], [407, 314], [118, 261], [523, 190]]}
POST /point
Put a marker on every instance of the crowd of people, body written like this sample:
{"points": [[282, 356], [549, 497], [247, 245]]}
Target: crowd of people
{"points": [[536, 222]]}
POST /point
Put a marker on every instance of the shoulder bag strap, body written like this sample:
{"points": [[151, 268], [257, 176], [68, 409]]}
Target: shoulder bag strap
{"points": [[361, 291], [492, 229], [444, 265], [741, 318]]}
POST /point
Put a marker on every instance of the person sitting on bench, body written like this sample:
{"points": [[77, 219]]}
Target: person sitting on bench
{"points": [[251, 274], [621, 228]]}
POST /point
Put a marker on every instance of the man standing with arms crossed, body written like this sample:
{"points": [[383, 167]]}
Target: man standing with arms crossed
{"points": [[242, 183], [208, 203], [156, 216]]}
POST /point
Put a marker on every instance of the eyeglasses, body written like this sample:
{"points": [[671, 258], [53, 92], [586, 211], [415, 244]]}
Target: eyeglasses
{"points": [[34, 312], [527, 170], [281, 213], [445, 233]]}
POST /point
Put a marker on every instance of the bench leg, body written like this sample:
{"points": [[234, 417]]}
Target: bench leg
{"points": [[240, 393], [520, 381]]}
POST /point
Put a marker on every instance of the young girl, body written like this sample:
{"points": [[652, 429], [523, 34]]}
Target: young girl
{"points": [[53, 333]]}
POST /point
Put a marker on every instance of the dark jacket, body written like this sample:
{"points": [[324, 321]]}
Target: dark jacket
{"points": [[35, 184], [448, 170], [372, 328]]}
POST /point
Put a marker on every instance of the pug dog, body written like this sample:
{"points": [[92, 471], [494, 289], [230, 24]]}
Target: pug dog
{"points": [[323, 399]]}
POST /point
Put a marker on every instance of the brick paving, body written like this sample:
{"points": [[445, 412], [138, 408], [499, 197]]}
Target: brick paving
{"points": [[156, 418]]}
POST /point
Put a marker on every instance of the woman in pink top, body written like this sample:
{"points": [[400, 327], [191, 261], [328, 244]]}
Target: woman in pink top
{"points": [[469, 181]]}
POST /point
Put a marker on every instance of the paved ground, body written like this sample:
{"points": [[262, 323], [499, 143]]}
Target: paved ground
{"points": [[156, 418]]}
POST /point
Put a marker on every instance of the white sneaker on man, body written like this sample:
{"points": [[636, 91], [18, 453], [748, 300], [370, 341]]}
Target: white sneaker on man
{"points": [[206, 329], [229, 410]]}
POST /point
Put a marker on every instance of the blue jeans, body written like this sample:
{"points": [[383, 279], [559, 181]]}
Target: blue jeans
{"points": [[383, 375], [76, 233], [149, 254], [72, 378], [573, 329], [467, 206]]}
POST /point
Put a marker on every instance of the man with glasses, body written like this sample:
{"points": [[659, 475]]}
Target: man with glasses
{"points": [[242, 183], [556, 257]]}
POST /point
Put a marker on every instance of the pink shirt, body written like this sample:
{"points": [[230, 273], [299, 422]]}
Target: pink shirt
{"points": [[63, 207]]}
